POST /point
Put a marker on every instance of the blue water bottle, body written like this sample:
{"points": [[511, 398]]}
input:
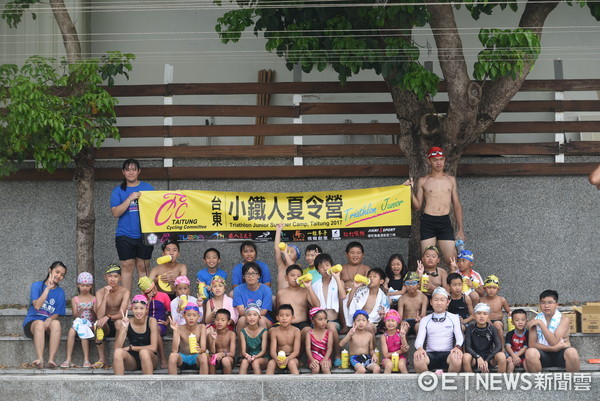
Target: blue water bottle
{"points": [[460, 245]]}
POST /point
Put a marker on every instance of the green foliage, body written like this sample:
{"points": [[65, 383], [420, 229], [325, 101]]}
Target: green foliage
{"points": [[53, 110], [14, 10], [506, 53]]}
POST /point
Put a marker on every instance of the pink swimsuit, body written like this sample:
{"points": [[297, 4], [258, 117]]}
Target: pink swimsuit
{"points": [[318, 348], [394, 343]]}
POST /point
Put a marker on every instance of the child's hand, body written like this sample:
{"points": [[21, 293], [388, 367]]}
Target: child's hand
{"points": [[482, 365], [409, 181], [374, 358], [326, 363], [285, 362], [220, 355], [516, 360], [314, 364], [107, 289], [174, 326], [280, 226], [124, 320], [418, 318], [420, 268], [352, 331], [453, 264], [404, 348], [419, 354], [308, 284], [199, 302], [166, 277]]}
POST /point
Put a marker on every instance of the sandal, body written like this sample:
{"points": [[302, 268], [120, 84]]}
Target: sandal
{"points": [[66, 365], [87, 364], [98, 365]]}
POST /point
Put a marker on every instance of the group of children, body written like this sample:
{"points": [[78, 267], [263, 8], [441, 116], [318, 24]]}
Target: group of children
{"points": [[457, 318]]}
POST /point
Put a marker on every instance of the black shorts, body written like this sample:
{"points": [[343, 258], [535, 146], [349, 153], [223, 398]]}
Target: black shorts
{"points": [[438, 227], [27, 330], [138, 361], [438, 360], [412, 323], [109, 329], [131, 248], [553, 359], [301, 325]]}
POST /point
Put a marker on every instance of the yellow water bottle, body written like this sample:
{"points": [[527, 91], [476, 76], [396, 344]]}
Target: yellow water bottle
{"points": [[280, 358], [424, 282], [395, 359], [359, 278], [304, 278], [183, 300], [378, 354], [345, 359], [465, 286], [334, 269], [282, 246], [201, 290], [99, 333], [193, 344], [164, 259], [510, 324]]}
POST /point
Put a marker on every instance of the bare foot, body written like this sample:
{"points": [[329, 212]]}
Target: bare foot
{"points": [[164, 365], [38, 363], [52, 364]]}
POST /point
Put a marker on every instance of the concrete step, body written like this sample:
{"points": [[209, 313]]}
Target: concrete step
{"points": [[284, 387]]}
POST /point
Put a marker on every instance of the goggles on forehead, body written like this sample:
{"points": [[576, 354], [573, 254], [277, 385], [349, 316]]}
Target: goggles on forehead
{"points": [[436, 153], [139, 301]]}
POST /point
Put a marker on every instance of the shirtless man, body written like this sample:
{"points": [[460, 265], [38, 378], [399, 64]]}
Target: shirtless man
{"points": [[437, 191], [301, 299], [412, 306], [286, 338], [221, 343], [110, 301], [164, 275]]}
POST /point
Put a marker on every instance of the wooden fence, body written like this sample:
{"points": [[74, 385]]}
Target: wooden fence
{"points": [[261, 169]]}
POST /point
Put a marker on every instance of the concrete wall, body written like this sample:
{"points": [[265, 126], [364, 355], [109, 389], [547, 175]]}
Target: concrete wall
{"points": [[533, 232]]}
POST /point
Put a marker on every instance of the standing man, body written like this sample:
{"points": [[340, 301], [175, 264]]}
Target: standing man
{"points": [[437, 190]]}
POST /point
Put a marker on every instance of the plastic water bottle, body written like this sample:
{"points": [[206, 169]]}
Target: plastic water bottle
{"points": [[395, 359], [460, 245], [193, 344], [280, 358], [345, 359]]}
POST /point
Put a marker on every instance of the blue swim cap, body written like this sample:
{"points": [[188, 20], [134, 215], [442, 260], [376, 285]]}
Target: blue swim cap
{"points": [[295, 248], [468, 255], [358, 313]]}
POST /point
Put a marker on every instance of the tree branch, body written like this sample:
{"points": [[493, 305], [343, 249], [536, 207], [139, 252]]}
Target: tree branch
{"points": [[67, 29], [497, 94], [453, 65]]}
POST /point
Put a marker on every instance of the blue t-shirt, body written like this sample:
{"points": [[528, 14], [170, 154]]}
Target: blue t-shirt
{"points": [[204, 276], [262, 297], [129, 222], [55, 303], [238, 279]]}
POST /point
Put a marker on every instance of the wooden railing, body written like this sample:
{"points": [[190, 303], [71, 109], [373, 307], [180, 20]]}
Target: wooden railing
{"points": [[339, 108]]}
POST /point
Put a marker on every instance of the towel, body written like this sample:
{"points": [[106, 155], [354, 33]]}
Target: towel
{"points": [[329, 300], [83, 327], [554, 322], [360, 299]]}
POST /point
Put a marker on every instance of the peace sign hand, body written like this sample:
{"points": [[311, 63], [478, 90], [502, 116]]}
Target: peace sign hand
{"points": [[174, 326], [124, 320], [420, 268]]}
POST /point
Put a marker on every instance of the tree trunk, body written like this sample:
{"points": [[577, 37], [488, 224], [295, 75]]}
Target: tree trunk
{"points": [[67, 29], [86, 220]]}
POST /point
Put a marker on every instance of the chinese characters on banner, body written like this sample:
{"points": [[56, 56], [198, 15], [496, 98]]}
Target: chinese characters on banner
{"points": [[308, 216]]}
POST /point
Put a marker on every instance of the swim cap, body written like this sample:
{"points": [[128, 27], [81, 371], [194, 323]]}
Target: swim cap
{"points": [[85, 278], [139, 298], [491, 281], [432, 248], [295, 248], [411, 276], [112, 268], [218, 280], [313, 311], [441, 290], [358, 313], [182, 280], [468, 255], [435, 151], [481, 307], [392, 314], [191, 306], [145, 284], [250, 308]]}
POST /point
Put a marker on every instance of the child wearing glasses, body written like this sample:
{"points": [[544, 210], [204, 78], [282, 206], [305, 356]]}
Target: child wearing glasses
{"points": [[438, 192], [413, 304], [549, 343], [444, 338]]}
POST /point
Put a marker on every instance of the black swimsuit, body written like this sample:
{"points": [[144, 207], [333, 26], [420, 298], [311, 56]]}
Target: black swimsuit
{"points": [[139, 340]]}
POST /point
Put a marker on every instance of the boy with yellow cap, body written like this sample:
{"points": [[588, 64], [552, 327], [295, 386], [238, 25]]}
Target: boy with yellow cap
{"points": [[491, 285]]}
